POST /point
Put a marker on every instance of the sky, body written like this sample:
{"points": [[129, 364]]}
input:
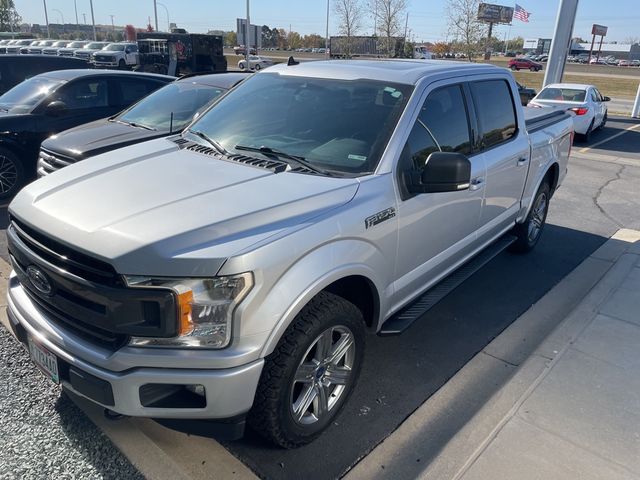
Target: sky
{"points": [[427, 18]]}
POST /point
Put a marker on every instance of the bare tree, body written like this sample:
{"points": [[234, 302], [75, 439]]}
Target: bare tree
{"points": [[464, 25], [350, 14], [389, 17], [632, 40]]}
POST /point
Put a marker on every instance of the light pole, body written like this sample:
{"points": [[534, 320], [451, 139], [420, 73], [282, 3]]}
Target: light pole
{"points": [[326, 38], [247, 38], [75, 6], [84, 16], [93, 21], [166, 10], [155, 12], [561, 41], [46, 18], [113, 27]]}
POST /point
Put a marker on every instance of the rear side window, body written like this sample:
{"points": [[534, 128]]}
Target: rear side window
{"points": [[132, 90], [496, 111], [85, 93], [444, 115]]}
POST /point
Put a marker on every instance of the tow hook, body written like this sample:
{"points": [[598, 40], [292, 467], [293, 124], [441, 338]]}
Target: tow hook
{"points": [[113, 416]]}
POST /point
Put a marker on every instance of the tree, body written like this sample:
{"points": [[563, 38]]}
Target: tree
{"points": [[440, 49], [632, 40], [389, 16], [9, 18], [350, 14], [231, 38], [462, 16]]}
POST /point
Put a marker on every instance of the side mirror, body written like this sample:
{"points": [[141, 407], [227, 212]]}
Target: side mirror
{"points": [[443, 172], [606, 99], [55, 108], [127, 50]]}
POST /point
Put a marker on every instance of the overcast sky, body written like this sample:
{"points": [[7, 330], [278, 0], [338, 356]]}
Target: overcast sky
{"points": [[427, 18]]}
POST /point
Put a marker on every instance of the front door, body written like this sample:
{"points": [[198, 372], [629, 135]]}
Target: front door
{"points": [[436, 229]]}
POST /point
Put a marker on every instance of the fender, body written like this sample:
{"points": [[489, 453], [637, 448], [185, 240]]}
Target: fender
{"points": [[301, 282], [12, 145]]}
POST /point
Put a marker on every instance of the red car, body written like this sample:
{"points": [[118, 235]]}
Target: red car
{"points": [[524, 63]]}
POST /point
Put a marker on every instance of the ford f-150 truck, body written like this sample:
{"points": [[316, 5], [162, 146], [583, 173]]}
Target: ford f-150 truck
{"points": [[232, 272]]}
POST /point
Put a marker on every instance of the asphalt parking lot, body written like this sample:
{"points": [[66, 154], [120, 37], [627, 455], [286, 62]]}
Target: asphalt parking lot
{"points": [[599, 196]]}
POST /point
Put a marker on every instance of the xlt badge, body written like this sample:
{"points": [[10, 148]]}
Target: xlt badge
{"points": [[379, 217]]}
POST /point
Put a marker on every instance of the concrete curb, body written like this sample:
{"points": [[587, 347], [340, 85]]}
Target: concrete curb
{"points": [[442, 439]]}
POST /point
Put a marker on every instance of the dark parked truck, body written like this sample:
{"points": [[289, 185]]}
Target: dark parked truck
{"points": [[180, 53], [233, 271], [347, 47]]}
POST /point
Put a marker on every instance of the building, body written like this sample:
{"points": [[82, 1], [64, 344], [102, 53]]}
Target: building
{"points": [[621, 51], [255, 34]]}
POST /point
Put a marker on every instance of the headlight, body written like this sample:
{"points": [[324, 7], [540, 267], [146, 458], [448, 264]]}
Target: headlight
{"points": [[205, 308]]}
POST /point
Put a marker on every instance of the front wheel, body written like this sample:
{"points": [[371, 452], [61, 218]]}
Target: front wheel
{"points": [[307, 379], [257, 67], [121, 64], [529, 232], [513, 67], [11, 174]]}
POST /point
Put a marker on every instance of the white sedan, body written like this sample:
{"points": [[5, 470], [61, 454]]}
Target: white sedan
{"points": [[255, 63], [585, 101]]}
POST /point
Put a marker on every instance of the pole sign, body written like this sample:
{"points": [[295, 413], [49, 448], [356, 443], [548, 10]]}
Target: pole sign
{"points": [[488, 12], [599, 30]]}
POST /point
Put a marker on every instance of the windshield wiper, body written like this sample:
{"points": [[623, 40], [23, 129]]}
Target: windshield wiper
{"points": [[133, 124], [221, 150], [301, 161]]}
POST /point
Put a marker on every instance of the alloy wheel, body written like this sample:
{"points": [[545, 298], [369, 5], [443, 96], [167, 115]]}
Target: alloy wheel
{"points": [[538, 215], [8, 174]]}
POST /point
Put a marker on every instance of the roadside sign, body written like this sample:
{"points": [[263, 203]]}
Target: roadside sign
{"points": [[489, 12], [599, 30]]}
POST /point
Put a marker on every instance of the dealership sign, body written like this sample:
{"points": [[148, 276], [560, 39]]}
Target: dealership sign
{"points": [[600, 30], [488, 12]]}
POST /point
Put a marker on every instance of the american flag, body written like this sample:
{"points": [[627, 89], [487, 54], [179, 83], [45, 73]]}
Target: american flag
{"points": [[521, 14]]}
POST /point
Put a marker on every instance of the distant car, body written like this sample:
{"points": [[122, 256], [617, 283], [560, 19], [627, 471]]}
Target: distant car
{"points": [[635, 63], [53, 49], [117, 55], [624, 63], [70, 49], [522, 63], [16, 68], [526, 94], [255, 63], [598, 61], [86, 52], [585, 101], [166, 111], [56, 101], [37, 49], [13, 48]]}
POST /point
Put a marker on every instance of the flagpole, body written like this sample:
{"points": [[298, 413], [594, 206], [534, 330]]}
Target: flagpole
{"points": [[506, 42]]}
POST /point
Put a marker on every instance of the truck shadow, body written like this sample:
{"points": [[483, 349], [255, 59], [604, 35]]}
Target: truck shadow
{"points": [[400, 373]]}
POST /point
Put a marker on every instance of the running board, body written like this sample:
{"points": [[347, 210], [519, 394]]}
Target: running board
{"points": [[405, 317]]}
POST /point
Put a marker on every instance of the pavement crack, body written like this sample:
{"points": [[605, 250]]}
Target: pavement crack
{"points": [[596, 197]]}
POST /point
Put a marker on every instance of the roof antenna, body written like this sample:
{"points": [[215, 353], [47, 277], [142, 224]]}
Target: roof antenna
{"points": [[171, 124], [291, 61]]}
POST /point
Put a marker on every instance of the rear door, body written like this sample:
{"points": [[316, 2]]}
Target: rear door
{"points": [[505, 147]]}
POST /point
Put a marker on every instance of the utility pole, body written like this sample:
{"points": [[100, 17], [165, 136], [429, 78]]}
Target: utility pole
{"points": [[93, 21], [247, 39], [84, 16], [75, 5], [46, 18], [404, 42], [561, 41], [113, 27], [155, 12], [326, 38], [166, 10]]}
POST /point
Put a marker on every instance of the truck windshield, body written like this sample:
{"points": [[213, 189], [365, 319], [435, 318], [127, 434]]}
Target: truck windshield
{"points": [[182, 99], [24, 96], [115, 47], [338, 125]]}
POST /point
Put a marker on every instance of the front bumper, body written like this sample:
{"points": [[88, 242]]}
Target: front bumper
{"points": [[105, 64], [228, 392]]}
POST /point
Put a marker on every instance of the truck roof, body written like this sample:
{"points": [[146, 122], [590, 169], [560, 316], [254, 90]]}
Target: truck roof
{"points": [[399, 71]]}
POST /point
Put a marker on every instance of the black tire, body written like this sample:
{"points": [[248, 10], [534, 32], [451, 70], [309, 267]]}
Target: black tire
{"points": [[122, 64], [529, 232], [257, 67], [533, 69], [587, 136], [12, 175], [513, 67], [272, 415], [604, 121]]}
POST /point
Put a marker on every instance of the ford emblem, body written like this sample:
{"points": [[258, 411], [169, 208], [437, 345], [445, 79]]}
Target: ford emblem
{"points": [[39, 280]]}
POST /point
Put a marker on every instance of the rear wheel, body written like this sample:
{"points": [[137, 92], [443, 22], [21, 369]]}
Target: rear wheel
{"points": [[513, 67], [257, 67], [121, 64], [307, 379], [604, 120], [587, 135], [529, 232], [533, 69], [11, 174]]}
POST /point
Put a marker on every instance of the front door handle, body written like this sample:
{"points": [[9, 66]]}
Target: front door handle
{"points": [[522, 162], [476, 183]]}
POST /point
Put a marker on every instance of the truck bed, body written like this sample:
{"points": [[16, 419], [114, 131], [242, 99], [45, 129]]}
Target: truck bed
{"points": [[539, 118]]}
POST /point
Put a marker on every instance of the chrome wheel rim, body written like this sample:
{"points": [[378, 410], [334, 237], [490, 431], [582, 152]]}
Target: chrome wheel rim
{"points": [[322, 375], [538, 214], [8, 174]]}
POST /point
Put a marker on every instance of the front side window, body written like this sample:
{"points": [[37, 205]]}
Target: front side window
{"points": [[341, 126], [84, 94], [26, 95], [496, 111]]}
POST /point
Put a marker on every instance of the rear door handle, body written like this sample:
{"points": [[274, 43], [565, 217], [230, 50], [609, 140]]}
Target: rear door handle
{"points": [[522, 162], [476, 183]]}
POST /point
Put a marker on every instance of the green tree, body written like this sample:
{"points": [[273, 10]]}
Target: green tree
{"points": [[9, 18], [231, 38]]}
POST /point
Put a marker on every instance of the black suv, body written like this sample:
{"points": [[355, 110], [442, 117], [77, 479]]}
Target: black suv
{"points": [[56, 101], [16, 68]]}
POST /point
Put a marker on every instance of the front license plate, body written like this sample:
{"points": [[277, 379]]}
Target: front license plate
{"points": [[45, 360]]}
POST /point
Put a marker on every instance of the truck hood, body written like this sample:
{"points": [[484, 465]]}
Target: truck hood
{"points": [[97, 137], [153, 209]]}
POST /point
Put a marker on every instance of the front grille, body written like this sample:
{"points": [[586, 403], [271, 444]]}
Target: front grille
{"points": [[49, 162], [86, 295], [104, 58]]}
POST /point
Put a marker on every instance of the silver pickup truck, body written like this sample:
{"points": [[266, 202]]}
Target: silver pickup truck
{"points": [[232, 273]]}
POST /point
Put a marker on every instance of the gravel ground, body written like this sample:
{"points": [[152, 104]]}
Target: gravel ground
{"points": [[43, 435]]}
